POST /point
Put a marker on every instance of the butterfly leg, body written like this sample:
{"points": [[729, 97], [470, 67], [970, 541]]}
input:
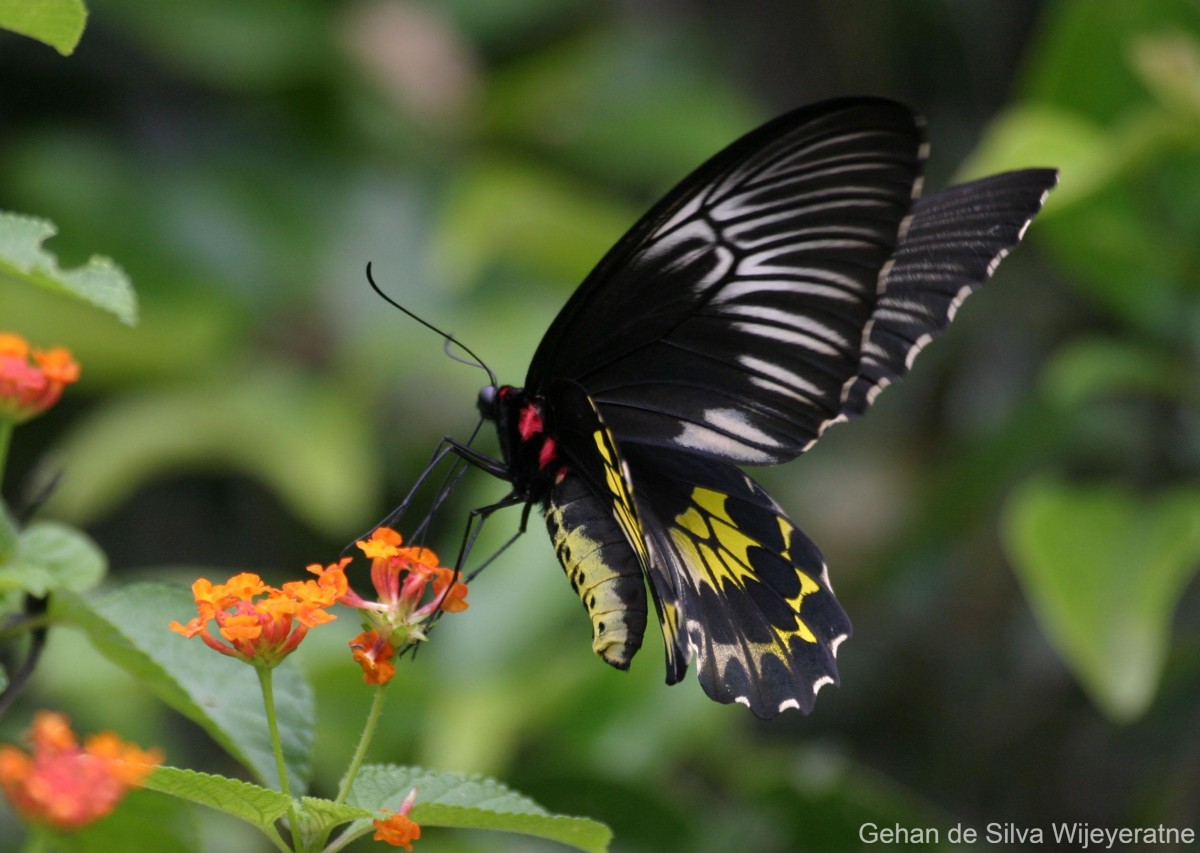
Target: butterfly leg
{"points": [[390, 520], [520, 531], [475, 522], [446, 446]]}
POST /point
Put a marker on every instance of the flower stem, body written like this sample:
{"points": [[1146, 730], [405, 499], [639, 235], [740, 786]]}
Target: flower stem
{"points": [[35, 841], [364, 741], [268, 692], [6, 430]]}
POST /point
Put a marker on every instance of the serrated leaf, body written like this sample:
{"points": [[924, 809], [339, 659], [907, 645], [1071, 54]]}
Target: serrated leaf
{"points": [[52, 556], [100, 281], [222, 695], [318, 817], [327, 813], [243, 800], [302, 438], [58, 23], [471, 802], [1103, 568]]}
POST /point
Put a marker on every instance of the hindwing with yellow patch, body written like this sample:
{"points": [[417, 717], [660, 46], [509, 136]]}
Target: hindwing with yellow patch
{"points": [[742, 590], [736, 585]]}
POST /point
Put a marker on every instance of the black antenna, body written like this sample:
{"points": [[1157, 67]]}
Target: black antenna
{"points": [[450, 339]]}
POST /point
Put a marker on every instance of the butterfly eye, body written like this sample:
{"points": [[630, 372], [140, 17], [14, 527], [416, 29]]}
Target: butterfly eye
{"points": [[487, 402]]}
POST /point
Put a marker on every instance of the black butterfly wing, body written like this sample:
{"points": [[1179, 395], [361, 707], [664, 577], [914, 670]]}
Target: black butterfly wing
{"points": [[768, 254], [734, 319], [952, 244], [738, 586]]}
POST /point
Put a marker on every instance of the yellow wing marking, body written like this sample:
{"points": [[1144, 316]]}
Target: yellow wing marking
{"points": [[717, 553], [618, 486]]}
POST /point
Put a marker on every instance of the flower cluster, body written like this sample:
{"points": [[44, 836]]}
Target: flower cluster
{"points": [[261, 625], [31, 380], [412, 588], [258, 623], [67, 786]]}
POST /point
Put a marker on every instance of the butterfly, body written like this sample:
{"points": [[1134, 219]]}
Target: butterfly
{"points": [[771, 294]]}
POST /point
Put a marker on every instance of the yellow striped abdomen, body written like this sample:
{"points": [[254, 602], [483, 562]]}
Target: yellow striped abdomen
{"points": [[602, 568]]}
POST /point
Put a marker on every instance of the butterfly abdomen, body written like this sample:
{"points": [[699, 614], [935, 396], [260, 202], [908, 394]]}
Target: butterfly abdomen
{"points": [[601, 566]]}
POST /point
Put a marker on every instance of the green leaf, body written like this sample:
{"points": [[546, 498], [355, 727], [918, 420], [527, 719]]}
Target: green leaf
{"points": [[219, 693], [58, 23], [303, 438], [318, 817], [100, 282], [52, 556], [1103, 568], [252, 803], [471, 802], [1094, 367]]}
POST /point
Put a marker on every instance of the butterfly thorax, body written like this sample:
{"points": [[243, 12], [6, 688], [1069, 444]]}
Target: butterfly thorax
{"points": [[587, 505], [527, 444]]}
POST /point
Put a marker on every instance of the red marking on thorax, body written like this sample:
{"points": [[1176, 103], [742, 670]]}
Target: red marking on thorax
{"points": [[547, 453], [530, 422]]}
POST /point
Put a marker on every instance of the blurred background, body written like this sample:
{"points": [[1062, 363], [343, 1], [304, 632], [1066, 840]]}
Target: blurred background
{"points": [[1013, 530]]}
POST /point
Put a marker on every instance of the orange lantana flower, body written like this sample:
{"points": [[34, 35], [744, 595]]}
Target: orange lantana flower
{"points": [[32, 381], [66, 786], [399, 829], [374, 654], [411, 587], [258, 623]]}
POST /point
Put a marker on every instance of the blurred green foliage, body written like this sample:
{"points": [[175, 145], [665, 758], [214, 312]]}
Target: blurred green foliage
{"points": [[243, 161], [1106, 551]]}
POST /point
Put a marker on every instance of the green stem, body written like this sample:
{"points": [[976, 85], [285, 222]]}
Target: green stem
{"points": [[35, 840], [364, 741], [17, 627], [276, 839], [268, 692], [6, 430]]}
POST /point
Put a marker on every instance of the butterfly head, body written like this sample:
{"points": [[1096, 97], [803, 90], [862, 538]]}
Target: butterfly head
{"points": [[488, 401], [496, 401], [526, 441]]}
